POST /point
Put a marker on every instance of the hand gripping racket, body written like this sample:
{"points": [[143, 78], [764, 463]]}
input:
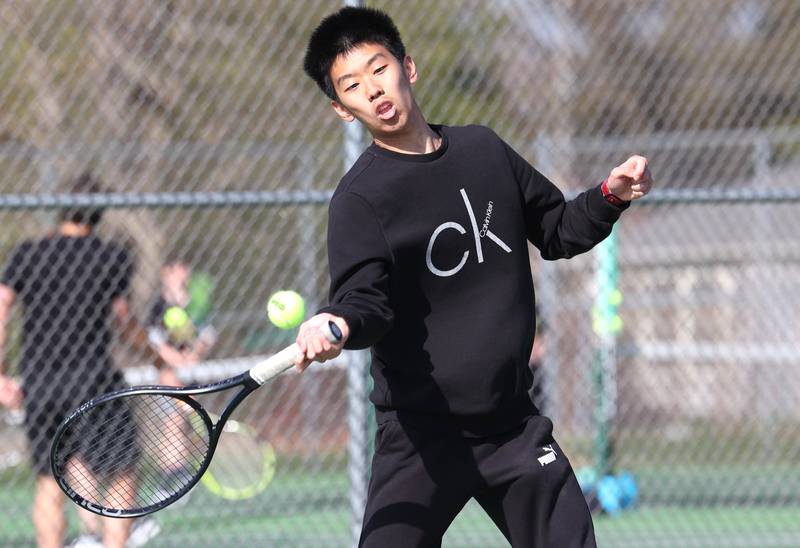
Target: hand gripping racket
{"points": [[135, 451]]}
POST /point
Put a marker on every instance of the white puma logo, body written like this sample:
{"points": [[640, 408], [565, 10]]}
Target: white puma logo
{"points": [[549, 455]]}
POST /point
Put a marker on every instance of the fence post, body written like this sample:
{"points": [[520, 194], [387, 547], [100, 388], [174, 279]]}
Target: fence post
{"points": [[606, 323], [357, 377]]}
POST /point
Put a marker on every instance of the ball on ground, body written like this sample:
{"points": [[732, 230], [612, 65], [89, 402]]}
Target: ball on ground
{"points": [[609, 494], [629, 487], [286, 309]]}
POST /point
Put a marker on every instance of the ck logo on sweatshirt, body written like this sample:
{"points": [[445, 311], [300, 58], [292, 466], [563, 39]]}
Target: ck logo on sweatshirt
{"points": [[478, 232]]}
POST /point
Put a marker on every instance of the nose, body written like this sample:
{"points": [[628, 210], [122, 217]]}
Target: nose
{"points": [[373, 91]]}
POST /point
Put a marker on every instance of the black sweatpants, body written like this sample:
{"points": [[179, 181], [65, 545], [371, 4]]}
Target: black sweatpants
{"points": [[421, 481]]}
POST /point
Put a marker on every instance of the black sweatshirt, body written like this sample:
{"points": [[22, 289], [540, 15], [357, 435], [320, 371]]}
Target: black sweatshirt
{"points": [[429, 266]]}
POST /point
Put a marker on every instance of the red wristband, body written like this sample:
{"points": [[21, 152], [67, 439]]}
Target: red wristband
{"points": [[610, 198]]}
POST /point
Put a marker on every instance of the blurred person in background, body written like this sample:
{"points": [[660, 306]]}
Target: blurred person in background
{"points": [[178, 330], [73, 287], [177, 325]]}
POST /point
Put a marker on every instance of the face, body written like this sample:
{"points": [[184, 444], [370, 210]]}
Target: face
{"points": [[375, 88], [175, 276]]}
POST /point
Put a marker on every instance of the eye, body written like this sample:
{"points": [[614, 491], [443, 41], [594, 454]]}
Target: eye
{"points": [[351, 87], [380, 69]]}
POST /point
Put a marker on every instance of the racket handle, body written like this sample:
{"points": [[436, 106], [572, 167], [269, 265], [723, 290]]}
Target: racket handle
{"points": [[283, 360]]}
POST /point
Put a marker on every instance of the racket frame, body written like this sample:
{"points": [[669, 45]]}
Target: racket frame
{"points": [[248, 385], [249, 381]]}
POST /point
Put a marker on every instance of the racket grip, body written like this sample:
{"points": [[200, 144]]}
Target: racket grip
{"points": [[283, 360]]}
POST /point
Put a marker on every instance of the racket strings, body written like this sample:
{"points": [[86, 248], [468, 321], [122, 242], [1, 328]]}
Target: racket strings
{"points": [[133, 452]]}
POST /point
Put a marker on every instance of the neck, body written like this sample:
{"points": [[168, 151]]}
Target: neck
{"points": [[74, 230], [416, 138]]}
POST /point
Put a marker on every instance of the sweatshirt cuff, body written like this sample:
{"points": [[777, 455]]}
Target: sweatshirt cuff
{"points": [[601, 208], [352, 319]]}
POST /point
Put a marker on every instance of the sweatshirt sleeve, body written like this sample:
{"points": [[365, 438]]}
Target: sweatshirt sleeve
{"points": [[359, 258], [561, 229]]}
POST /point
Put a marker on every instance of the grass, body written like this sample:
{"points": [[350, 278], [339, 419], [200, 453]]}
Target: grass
{"points": [[302, 509]]}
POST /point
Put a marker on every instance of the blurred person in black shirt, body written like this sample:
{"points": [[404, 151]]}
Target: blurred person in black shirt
{"points": [[73, 286]]}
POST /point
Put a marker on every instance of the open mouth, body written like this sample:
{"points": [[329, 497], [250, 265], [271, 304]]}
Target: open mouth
{"points": [[386, 110]]}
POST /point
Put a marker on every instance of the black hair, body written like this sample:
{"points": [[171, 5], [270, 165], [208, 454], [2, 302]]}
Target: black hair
{"points": [[173, 258], [340, 33], [85, 183]]}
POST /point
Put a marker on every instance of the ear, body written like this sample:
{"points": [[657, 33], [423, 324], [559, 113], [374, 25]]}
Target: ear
{"points": [[411, 69], [342, 112]]}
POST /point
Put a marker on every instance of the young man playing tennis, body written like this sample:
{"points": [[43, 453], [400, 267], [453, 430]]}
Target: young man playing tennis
{"points": [[427, 244]]}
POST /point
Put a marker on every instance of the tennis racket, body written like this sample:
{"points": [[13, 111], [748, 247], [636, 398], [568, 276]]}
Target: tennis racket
{"points": [[243, 464], [124, 454]]}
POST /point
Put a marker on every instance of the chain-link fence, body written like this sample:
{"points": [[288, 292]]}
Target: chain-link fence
{"points": [[668, 353]]}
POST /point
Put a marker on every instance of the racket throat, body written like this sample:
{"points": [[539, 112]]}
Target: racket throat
{"points": [[249, 385]]}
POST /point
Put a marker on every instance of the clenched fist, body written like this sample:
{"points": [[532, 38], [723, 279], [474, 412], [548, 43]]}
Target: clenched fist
{"points": [[630, 180]]}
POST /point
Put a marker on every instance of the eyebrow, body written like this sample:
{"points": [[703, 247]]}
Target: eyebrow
{"points": [[368, 63]]}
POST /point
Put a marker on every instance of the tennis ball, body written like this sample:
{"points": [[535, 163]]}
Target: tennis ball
{"points": [[175, 318], [286, 309]]}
